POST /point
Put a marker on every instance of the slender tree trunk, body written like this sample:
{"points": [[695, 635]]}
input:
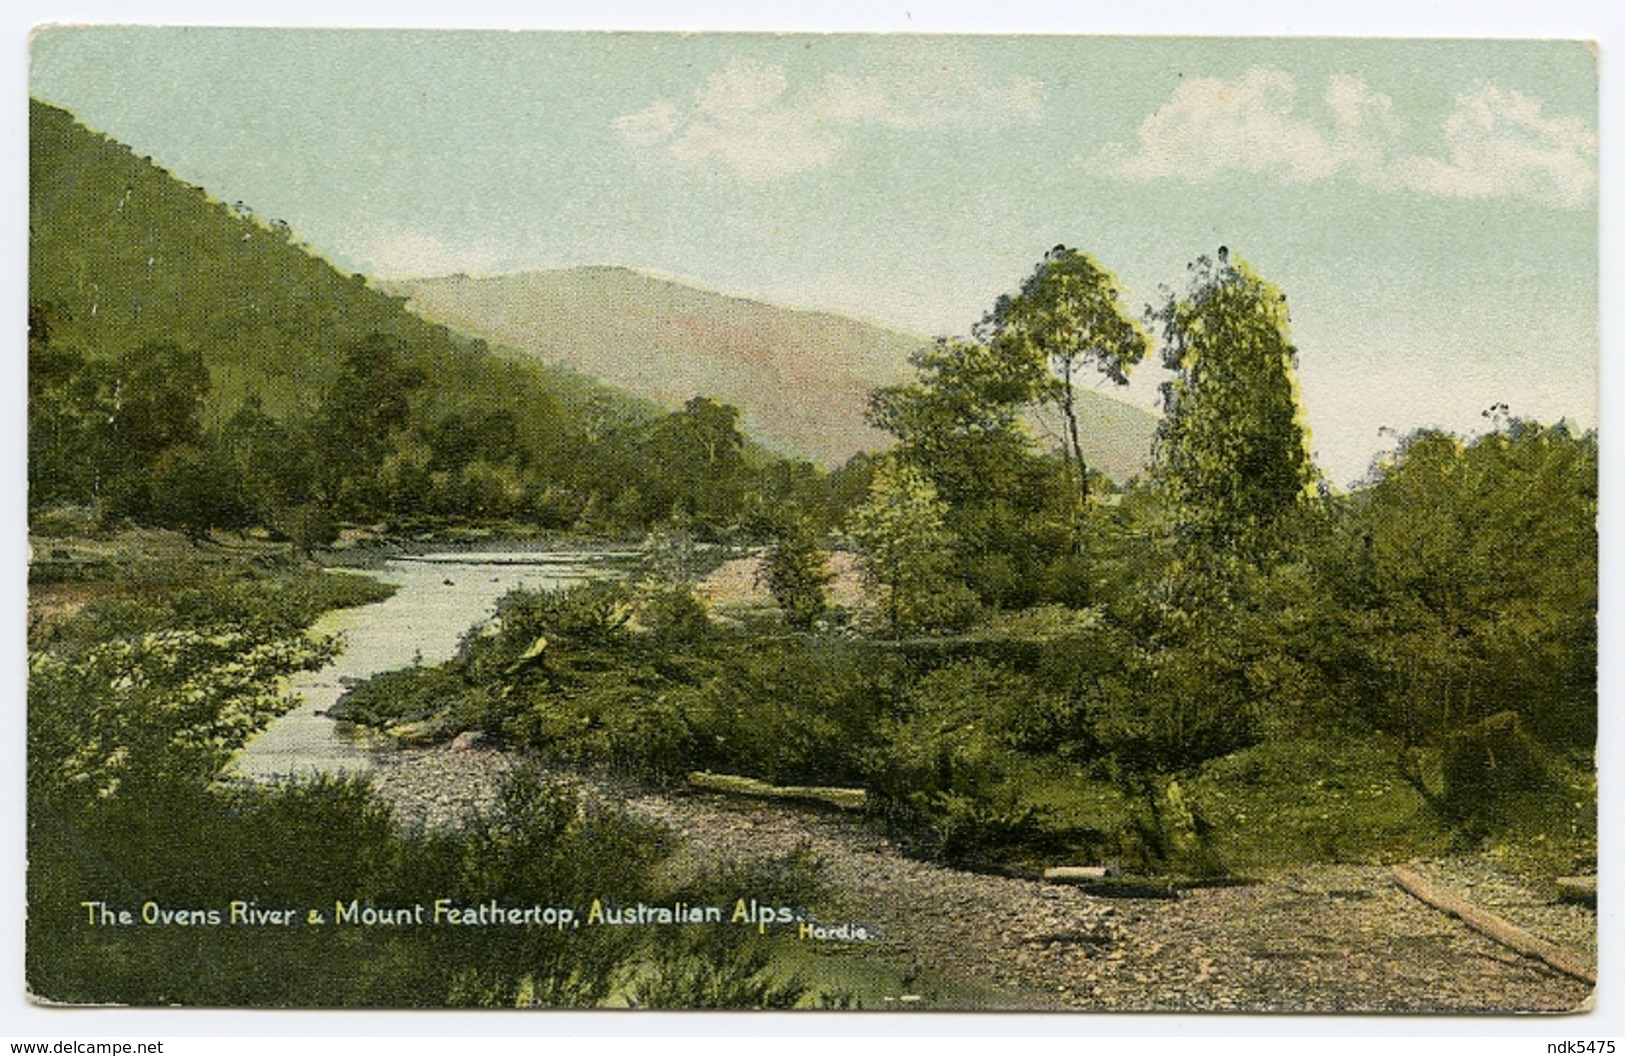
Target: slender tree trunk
{"points": [[1068, 408], [894, 604]]}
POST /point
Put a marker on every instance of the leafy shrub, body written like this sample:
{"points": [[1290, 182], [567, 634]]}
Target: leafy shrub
{"points": [[161, 706], [1497, 780], [421, 705], [797, 574], [972, 830], [907, 554], [1089, 672], [956, 731], [732, 966], [672, 614], [713, 969], [956, 773], [309, 845], [792, 710], [588, 613], [1470, 575], [613, 716], [1190, 704]]}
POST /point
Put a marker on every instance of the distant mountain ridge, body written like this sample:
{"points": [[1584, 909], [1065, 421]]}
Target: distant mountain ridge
{"points": [[801, 377]]}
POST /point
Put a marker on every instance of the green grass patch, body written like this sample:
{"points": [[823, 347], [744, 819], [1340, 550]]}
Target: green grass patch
{"points": [[1292, 801], [1078, 805]]}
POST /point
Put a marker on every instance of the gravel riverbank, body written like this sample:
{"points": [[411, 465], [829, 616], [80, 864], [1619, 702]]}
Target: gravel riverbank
{"points": [[1322, 938]]}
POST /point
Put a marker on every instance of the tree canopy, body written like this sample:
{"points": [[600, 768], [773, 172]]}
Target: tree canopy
{"points": [[1470, 574], [1007, 505], [1232, 451], [907, 551], [1068, 316]]}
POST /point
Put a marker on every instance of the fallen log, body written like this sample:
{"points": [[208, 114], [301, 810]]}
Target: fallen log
{"points": [[1078, 874], [840, 798], [1578, 889], [1566, 961], [1108, 883]]}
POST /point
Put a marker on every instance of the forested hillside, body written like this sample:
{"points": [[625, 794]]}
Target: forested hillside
{"points": [[192, 365]]}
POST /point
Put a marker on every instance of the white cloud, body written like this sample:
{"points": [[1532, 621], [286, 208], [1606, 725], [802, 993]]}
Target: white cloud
{"points": [[747, 121], [743, 87], [650, 126], [1496, 143], [1212, 126]]}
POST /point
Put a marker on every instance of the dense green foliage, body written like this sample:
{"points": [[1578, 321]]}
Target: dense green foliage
{"points": [[1009, 510], [908, 552], [797, 574], [1470, 576], [1173, 662], [133, 709], [1232, 452], [314, 846], [1016, 514]]}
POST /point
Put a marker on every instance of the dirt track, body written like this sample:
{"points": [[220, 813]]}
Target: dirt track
{"points": [[1323, 938]]}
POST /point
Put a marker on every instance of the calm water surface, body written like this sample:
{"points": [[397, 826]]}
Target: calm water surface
{"points": [[440, 597]]}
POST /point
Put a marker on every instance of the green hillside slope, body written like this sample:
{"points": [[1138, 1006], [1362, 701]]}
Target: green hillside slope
{"points": [[192, 365], [126, 254]]}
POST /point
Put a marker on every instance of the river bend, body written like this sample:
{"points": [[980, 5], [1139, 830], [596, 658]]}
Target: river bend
{"points": [[439, 597]]}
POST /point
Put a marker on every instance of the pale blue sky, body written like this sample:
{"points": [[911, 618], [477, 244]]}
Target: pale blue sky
{"points": [[1429, 207]]}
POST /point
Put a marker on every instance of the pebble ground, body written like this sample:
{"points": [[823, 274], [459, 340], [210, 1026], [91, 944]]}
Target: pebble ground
{"points": [[1321, 938]]}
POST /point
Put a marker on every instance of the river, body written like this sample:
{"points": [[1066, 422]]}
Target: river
{"points": [[439, 597]]}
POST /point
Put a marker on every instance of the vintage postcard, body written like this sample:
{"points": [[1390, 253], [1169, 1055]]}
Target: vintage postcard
{"points": [[811, 521]]}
